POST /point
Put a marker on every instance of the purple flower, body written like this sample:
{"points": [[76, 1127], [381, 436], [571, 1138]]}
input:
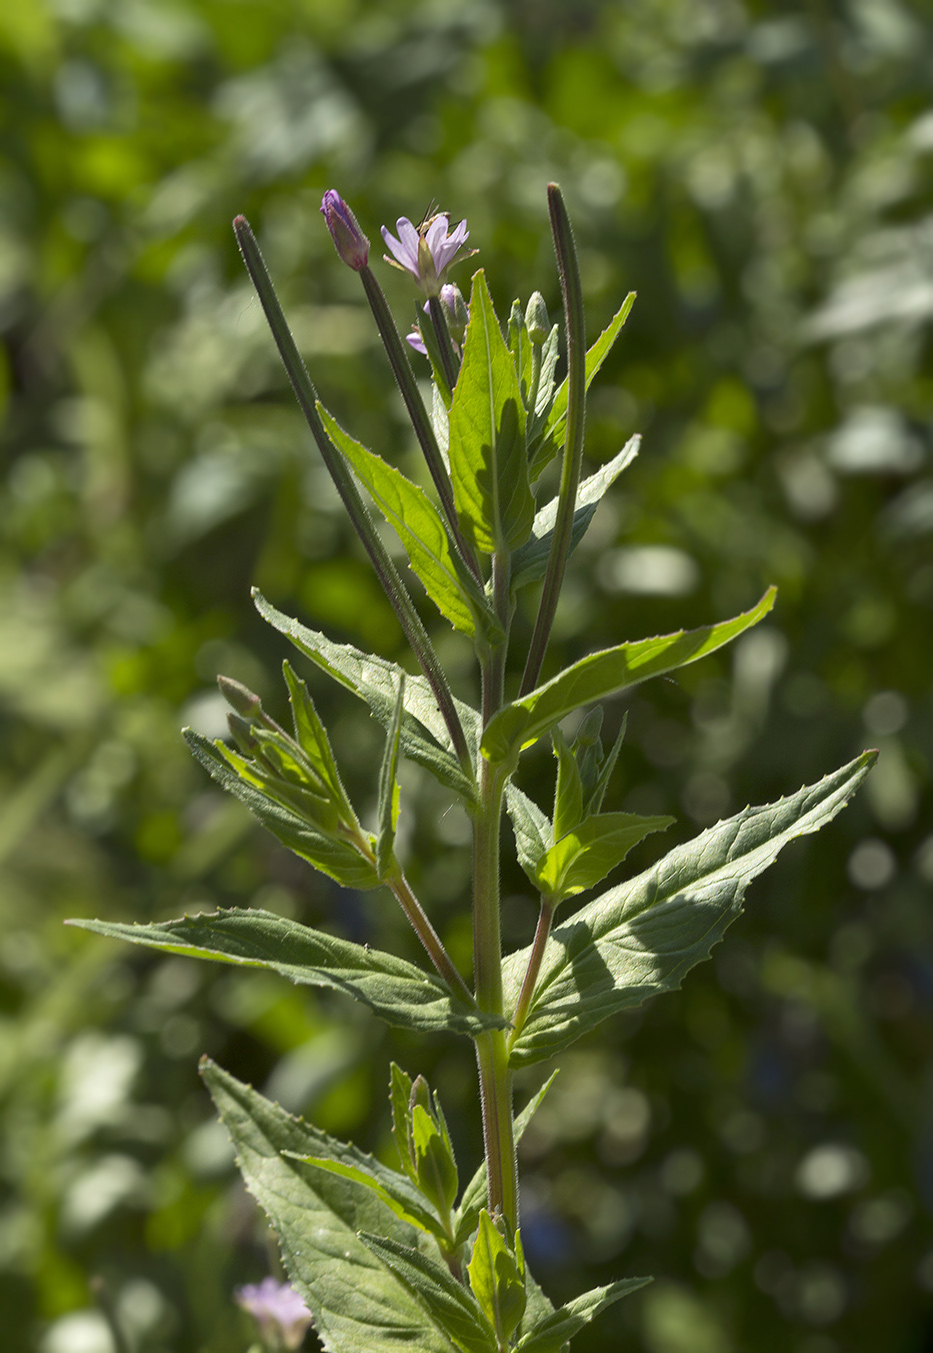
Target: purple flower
{"points": [[426, 253], [349, 241], [281, 1314]]}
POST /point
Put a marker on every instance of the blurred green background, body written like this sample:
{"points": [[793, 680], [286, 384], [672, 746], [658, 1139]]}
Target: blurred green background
{"points": [[762, 175]]}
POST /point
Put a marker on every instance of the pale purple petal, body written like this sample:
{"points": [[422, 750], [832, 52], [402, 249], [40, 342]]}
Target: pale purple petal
{"points": [[405, 248], [277, 1308], [417, 342], [445, 250]]}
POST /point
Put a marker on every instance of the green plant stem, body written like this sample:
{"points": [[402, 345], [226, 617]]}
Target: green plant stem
{"points": [[491, 1048], [386, 572], [429, 937], [444, 343], [417, 413], [535, 381], [572, 291], [525, 996]]}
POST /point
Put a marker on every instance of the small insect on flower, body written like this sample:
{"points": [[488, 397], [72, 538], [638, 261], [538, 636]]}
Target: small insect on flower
{"points": [[426, 250]]}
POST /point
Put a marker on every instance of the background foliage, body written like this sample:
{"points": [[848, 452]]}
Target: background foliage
{"points": [[761, 174]]}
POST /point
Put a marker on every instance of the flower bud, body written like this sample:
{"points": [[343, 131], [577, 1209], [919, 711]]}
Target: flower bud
{"points": [[239, 697], [536, 319], [242, 733], [458, 312], [349, 241]]}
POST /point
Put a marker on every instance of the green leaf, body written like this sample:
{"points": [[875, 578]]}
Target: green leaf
{"points": [[475, 1194], [389, 791], [521, 723], [644, 936], [532, 828], [311, 736], [333, 856], [398, 992], [583, 857], [420, 527], [359, 1305], [488, 464], [595, 800], [545, 396], [568, 788], [529, 563], [424, 737], [555, 1330], [400, 1100], [435, 1166], [497, 1278], [393, 1188], [557, 416], [448, 1302]]}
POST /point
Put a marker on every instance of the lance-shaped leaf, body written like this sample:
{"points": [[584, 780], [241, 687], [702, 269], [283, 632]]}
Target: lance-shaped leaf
{"points": [[420, 527], [532, 828], [389, 791], [545, 396], [392, 1188], [584, 856], [311, 736], [395, 990], [333, 855], [497, 1278], [424, 737], [557, 415], [552, 1333], [521, 723], [448, 1302], [359, 1305], [645, 935], [488, 464], [529, 563]]}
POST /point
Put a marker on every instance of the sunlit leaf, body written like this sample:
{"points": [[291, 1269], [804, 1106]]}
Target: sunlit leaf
{"points": [[359, 1304], [420, 527], [521, 723], [644, 936], [424, 737], [447, 1302], [553, 1332], [395, 990], [488, 464], [529, 563]]}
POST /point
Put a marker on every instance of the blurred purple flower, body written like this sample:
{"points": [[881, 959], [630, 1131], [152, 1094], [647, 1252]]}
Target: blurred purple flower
{"points": [[349, 241], [280, 1312], [426, 253]]}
